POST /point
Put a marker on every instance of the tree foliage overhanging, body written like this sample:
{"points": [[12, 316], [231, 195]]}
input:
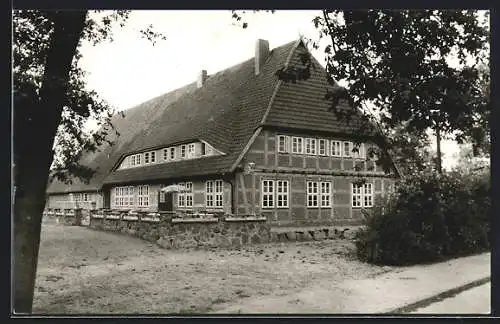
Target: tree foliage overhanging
{"points": [[31, 43], [399, 61]]}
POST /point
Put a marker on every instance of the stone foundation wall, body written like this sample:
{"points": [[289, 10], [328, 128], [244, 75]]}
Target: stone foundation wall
{"points": [[169, 232]]}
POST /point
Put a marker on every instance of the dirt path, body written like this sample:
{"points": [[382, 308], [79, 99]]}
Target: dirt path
{"points": [[86, 271]]}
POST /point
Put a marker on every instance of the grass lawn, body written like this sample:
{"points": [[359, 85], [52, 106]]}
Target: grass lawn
{"points": [[82, 271]]}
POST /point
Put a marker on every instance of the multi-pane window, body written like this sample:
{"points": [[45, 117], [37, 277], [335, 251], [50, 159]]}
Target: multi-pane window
{"points": [[359, 151], [362, 195], [124, 196], [165, 154], [267, 193], [185, 197], [322, 147], [189, 194], [282, 194], [219, 193], [209, 193], [214, 193], [143, 196], [183, 151], [312, 194], [326, 194], [132, 160], [310, 146], [153, 157], [297, 145], [181, 198], [336, 148], [146, 158], [347, 149], [283, 143], [86, 197], [172, 153], [190, 150]]}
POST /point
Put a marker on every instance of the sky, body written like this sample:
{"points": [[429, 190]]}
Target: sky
{"points": [[130, 69]]}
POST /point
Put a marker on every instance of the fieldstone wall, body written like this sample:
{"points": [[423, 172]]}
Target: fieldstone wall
{"points": [[170, 232]]}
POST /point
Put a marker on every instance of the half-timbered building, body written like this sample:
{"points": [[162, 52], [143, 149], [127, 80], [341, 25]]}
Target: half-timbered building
{"points": [[240, 142]]}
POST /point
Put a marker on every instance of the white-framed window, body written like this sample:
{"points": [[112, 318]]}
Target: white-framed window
{"points": [[312, 194], [146, 158], [362, 195], [132, 160], [138, 159], [326, 194], [172, 153], [310, 146], [267, 193], [219, 193], [190, 150], [322, 147], [143, 196], [297, 145], [165, 154], [185, 198], [360, 153], [124, 196], [282, 193], [209, 194], [181, 197], [347, 149], [183, 151], [283, 143], [153, 157], [336, 148], [86, 197], [189, 194]]}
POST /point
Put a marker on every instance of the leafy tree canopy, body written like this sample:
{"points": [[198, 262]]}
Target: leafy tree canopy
{"points": [[401, 62], [31, 43]]}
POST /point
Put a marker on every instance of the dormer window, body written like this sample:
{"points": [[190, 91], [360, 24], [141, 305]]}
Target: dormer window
{"points": [[165, 154], [183, 151], [135, 160], [172, 153], [203, 149], [153, 157], [146, 158], [190, 150]]}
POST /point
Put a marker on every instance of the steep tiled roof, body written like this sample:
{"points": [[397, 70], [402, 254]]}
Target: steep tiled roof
{"points": [[302, 105], [225, 112]]}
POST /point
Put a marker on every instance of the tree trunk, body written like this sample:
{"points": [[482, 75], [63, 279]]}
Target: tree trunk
{"points": [[36, 118], [438, 151]]}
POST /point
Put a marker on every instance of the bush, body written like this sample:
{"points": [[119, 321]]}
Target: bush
{"points": [[428, 218]]}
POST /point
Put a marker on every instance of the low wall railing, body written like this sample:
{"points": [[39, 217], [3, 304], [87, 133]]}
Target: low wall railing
{"points": [[173, 217]]}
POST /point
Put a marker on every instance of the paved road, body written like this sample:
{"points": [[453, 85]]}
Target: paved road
{"points": [[473, 301]]}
